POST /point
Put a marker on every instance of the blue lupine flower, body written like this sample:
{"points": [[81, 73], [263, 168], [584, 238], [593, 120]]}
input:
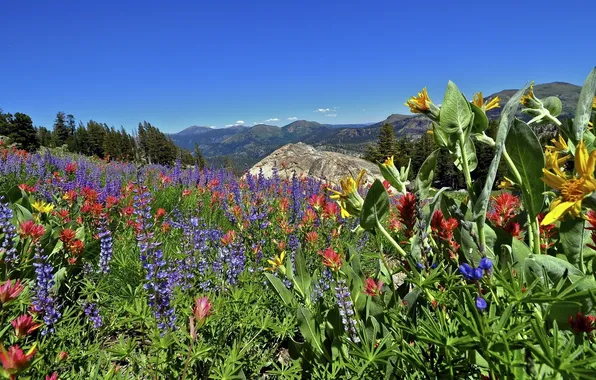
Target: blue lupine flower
{"points": [[471, 274], [346, 309], [485, 264], [92, 312], [481, 303]]}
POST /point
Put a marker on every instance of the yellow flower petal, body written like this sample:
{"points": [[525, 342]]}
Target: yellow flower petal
{"points": [[557, 212]]}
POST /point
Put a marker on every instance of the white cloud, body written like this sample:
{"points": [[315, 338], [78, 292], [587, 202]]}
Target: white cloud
{"points": [[272, 119], [331, 115], [292, 118], [322, 110], [240, 122], [230, 125]]}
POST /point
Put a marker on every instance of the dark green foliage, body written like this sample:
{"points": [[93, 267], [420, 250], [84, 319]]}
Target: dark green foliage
{"points": [[198, 156], [386, 146], [157, 148], [19, 128], [62, 130]]}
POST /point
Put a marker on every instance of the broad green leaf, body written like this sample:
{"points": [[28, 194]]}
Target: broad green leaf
{"points": [[281, 290], [555, 268], [480, 122], [375, 207], [457, 156], [572, 239], [507, 117], [59, 278], [583, 111], [526, 153], [456, 114], [302, 277], [425, 176], [22, 213], [553, 105], [310, 329]]}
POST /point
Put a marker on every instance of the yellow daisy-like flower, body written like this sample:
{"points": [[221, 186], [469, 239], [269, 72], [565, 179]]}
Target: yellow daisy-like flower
{"points": [[420, 103], [559, 145], [572, 189], [43, 207], [478, 100], [554, 162], [348, 198], [506, 183], [277, 262]]}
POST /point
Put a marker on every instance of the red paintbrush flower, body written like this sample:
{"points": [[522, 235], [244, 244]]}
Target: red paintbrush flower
{"points": [[15, 360], [505, 208], [67, 235], [202, 310], [316, 201], [53, 376], [10, 291], [331, 259], [29, 229], [71, 168], [406, 205], [24, 325], [372, 287], [582, 323], [442, 230]]}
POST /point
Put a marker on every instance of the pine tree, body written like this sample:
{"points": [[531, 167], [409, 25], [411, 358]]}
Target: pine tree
{"points": [[61, 129], [198, 156], [22, 132], [386, 145], [45, 137]]}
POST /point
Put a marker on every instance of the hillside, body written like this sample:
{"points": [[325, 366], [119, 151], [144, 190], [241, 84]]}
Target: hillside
{"points": [[247, 145]]}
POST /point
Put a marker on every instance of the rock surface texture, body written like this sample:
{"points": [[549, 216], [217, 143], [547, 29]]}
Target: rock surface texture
{"points": [[304, 160]]}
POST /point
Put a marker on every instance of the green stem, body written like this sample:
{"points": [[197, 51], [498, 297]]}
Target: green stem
{"points": [[533, 228], [399, 249], [581, 251], [470, 188]]}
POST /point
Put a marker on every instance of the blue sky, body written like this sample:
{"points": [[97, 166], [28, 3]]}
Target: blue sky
{"points": [[177, 64]]}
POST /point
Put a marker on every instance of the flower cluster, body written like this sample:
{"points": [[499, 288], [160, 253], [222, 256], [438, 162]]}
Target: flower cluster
{"points": [[505, 209], [442, 232], [8, 231], [346, 309], [105, 245], [43, 299], [92, 312]]}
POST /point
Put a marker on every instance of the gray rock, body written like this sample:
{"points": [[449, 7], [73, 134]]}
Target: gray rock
{"points": [[304, 160]]}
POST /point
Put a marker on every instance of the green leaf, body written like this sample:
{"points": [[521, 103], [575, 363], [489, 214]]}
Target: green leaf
{"points": [[553, 105], [526, 153], [536, 265], [302, 278], [507, 117], [59, 278], [470, 153], [480, 122], [22, 213], [425, 176], [583, 111], [572, 238], [455, 111], [309, 329], [375, 207], [281, 290]]}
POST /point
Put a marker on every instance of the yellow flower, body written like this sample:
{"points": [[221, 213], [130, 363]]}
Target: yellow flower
{"points": [[554, 162], [530, 100], [594, 103], [478, 100], [420, 103], [506, 183], [349, 199], [277, 262], [559, 145], [43, 207], [571, 190]]}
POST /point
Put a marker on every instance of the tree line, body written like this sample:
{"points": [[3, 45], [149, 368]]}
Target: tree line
{"points": [[97, 139]]}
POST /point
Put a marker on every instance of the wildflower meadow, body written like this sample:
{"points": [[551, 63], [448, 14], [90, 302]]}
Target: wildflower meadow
{"points": [[115, 270]]}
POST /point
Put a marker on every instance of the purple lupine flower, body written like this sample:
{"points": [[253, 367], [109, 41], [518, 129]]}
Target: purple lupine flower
{"points": [[92, 312], [43, 299], [485, 264], [471, 274], [346, 309], [9, 232], [481, 303], [322, 285], [158, 287], [106, 249]]}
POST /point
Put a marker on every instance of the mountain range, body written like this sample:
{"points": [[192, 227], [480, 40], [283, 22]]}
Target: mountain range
{"points": [[247, 145]]}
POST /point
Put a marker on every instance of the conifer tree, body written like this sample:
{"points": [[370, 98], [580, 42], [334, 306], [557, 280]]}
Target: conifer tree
{"points": [[61, 129]]}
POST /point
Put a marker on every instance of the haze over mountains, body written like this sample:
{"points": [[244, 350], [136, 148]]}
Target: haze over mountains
{"points": [[247, 145]]}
